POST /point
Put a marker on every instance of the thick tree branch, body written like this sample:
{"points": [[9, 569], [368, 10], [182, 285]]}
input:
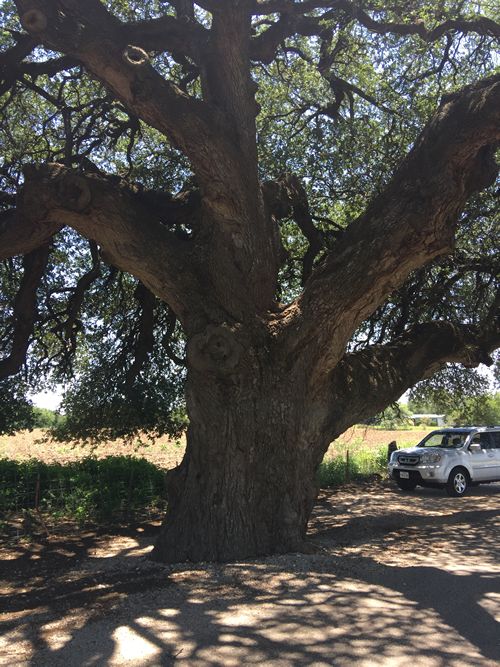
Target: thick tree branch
{"points": [[20, 235], [25, 310], [365, 382], [406, 226], [13, 67], [226, 80], [122, 222], [182, 35], [15, 54], [287, 197], [264, 46], [10, 60]]}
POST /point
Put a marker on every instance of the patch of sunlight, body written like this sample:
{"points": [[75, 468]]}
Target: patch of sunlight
{"points": [[168, 613], [491, 603], [130, 645]]}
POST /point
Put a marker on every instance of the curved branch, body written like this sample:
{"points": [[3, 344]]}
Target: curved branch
{"points": [[404, 227], [293, 21], [480, 25], [11, 58], [365, 382], [122, 221], [88, 32], [181, 35]]}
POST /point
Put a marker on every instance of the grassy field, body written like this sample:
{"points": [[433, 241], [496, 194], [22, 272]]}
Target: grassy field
{"points": [[118, 480]]}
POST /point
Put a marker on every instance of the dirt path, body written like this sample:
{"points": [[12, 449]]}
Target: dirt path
{"points": [[395, 580]]}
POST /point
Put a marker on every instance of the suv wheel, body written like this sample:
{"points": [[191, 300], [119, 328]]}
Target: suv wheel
{"points": [[406, 484], [458, 482]]}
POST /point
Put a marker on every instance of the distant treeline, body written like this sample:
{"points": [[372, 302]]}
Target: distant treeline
{"points": [[45, 418]]}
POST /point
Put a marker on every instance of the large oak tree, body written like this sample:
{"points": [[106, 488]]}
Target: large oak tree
{"points": [[247, 96]]}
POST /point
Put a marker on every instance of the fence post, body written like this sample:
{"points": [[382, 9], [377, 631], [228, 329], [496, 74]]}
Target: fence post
{"points": [[37, 491], [129, 491], [347, 466]]}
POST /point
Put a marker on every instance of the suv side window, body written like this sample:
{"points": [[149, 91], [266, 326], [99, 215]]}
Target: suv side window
{"points": [[495, 436], [487, 441], [484, 440]]}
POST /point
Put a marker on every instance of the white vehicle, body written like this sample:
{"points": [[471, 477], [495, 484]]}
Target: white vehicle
{"points": [[451, 458]]}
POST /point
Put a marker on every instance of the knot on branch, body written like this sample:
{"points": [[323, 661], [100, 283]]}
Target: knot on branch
{"points": [[215, 350], [473, 356], [135, 56], [34, 21], [484, 169], [74, 192], [277, 199], [284, 195]]}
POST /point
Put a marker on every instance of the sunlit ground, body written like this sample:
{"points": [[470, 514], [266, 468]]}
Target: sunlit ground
{"points": [[396, 580]]}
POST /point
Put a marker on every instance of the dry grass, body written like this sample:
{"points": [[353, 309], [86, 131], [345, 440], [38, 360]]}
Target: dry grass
{"points": [[167, 453], [363, 438], [164, 452]]}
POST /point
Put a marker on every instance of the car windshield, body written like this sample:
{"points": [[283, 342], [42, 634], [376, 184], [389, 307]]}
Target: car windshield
{"points": [[444, 439]]}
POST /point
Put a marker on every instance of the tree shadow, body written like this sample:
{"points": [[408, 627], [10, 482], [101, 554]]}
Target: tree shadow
{"points": [[333, 607]]}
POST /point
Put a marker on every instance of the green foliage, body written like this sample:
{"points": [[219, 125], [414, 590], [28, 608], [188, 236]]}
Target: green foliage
{"points": [[483, 410], [45, 418], [16, 411], [335, 471], [448, 391], [91, 489], [394, 417]]}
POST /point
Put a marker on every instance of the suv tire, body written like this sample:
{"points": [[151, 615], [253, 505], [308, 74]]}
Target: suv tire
{"points": [[406, 484], [458, 482]]}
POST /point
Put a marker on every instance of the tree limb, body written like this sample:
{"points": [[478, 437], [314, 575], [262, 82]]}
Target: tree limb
{"points": [[293, 21], [20, 235], [182, 35], [365, 382], [286, 197], [121, 221], [25, 310], [404, 227], [89, 33]]}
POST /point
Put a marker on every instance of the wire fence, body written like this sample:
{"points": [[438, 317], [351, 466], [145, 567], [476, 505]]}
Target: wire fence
{"points": [[119, 488], [106, 489]]}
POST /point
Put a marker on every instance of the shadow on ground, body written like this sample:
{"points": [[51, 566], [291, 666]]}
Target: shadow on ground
{"points": [[396, 580]]}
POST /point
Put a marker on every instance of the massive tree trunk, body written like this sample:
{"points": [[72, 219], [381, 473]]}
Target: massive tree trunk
{"points": [[246, 484]]}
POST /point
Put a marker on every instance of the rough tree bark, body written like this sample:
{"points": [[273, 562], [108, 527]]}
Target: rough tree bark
{"points": [[269, 386]]}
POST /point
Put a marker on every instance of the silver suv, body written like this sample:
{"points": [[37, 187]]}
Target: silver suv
{"points": [[451, 458]]}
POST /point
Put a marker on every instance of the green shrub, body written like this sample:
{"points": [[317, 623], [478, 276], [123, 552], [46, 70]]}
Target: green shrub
{"points": [[98, 489], [362, 464]]}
